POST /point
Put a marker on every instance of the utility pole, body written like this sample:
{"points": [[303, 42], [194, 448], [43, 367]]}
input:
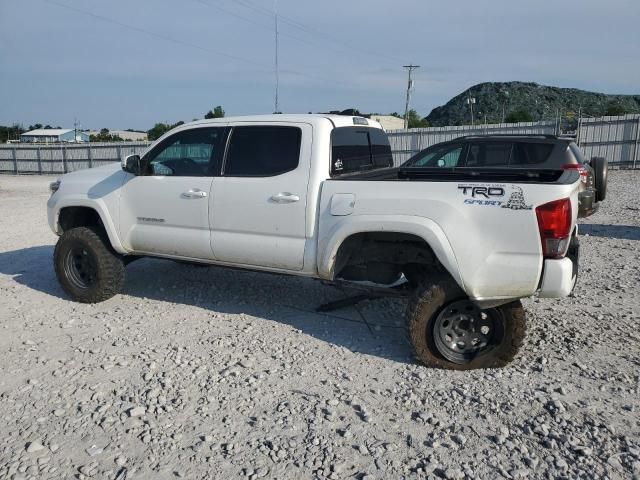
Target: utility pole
{"points": [[471, 101], [410, 68], [504, 105], [75, 130], [275, 9]]}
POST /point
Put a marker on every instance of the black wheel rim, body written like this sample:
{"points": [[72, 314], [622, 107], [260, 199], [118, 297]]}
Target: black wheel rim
{"points": [[80, 268], [463, 332]]}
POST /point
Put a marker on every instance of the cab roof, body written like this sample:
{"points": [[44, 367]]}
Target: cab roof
{"points": [[336, 120]]}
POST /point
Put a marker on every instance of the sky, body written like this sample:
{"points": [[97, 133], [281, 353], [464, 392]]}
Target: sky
{"points": [[131, 63]]}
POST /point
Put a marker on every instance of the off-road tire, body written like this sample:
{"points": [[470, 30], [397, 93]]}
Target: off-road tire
{"points": [[424, 306], [109, 266]]}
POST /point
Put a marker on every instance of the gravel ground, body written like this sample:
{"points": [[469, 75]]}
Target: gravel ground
{"points": [[213, 373]]}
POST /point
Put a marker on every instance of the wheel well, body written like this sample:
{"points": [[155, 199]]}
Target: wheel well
{"points": [[381, 257], [72, 217]]}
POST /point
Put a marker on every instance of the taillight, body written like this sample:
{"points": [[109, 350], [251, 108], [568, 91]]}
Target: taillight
{"points": [[582, 170], [554, 224]]}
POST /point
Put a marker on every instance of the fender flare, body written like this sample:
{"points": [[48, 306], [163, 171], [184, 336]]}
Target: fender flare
{"points": [[99, 207], [422, 227]]}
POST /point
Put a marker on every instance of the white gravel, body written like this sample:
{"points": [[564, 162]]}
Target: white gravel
{"points": [[213, 373]]}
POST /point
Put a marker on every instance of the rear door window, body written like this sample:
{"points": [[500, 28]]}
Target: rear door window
{"points": [[356, 149], [262, 151]]}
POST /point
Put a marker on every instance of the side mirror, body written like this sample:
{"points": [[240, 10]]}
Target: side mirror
{"points": [[132, 164]]}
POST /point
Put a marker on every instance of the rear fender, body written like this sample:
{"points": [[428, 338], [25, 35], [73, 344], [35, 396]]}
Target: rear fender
{"points": [[427, 229]]}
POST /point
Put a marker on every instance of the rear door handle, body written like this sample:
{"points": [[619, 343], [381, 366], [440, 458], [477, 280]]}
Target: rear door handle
{"points": [[194, 193], [285, 197]]}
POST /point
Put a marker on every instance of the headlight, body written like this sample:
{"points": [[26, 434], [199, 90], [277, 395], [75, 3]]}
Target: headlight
{"points": [[54, 186]]}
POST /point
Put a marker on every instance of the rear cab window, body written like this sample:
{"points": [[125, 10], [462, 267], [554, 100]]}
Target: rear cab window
{"points": [[357, 149]]}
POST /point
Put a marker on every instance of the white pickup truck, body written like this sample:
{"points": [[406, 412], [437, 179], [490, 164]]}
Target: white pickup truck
{"points": [[316, 196]]}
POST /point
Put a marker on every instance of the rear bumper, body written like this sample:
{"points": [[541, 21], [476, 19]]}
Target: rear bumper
{"points": [[558, 278]]}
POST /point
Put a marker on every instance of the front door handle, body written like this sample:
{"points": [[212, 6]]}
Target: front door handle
{"points": [[285, 197], [194, 193]]}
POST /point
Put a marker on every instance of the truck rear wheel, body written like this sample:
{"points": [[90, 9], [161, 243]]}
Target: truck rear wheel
{"points": [[87, 268], [447, 330]]}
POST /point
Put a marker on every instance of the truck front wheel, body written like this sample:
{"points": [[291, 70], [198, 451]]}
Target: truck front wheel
{"points": [[447, 330], [87, 268]]}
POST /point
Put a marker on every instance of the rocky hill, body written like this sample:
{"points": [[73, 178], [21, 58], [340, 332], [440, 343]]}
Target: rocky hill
{"points": [[539, 101]]}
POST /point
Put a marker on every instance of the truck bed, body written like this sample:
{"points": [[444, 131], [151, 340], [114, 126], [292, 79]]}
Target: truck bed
{"points": [[480, 223], [465, 174]]}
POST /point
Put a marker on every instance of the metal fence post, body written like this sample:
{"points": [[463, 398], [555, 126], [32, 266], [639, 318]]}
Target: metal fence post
{"points": [[119, 150], [90, 157], [15, 161], [64, 159], [635, 150], [39, 160]]}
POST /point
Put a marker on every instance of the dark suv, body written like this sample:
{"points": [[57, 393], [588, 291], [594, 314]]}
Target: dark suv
{"points": [[531, 152]]}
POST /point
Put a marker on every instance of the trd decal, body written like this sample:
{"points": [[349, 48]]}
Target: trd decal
{"points": [[490, 195], [486, 191], [150, 220], [516, 200]]}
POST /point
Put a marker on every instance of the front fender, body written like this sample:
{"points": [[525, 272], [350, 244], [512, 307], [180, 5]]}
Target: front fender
{"points": [[55, 206], [329, 242]]}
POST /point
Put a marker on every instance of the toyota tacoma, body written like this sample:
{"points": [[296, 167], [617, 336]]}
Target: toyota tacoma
{"points": [[317, 196]]}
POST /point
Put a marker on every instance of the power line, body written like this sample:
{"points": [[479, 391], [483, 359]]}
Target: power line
{"points": [[269, 28], [159, 35], [265, 68], [314, 31]]}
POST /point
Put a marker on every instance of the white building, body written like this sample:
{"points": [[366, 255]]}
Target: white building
{"points": [[125, 135], [389, 122], [53, 135]]}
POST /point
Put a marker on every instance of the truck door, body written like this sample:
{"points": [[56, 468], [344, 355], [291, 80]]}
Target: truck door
{"points": [[166, 211], [258, 210]]}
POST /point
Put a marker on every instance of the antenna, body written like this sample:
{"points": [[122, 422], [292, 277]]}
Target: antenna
{"points": [[275, 9]]}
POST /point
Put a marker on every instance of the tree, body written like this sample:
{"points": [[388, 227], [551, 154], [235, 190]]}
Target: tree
{"points": [[614, 109], [11, 133], [517, 116], [414, 120], [217, 112], [160, 129], [104, 136], [37, 126]]}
